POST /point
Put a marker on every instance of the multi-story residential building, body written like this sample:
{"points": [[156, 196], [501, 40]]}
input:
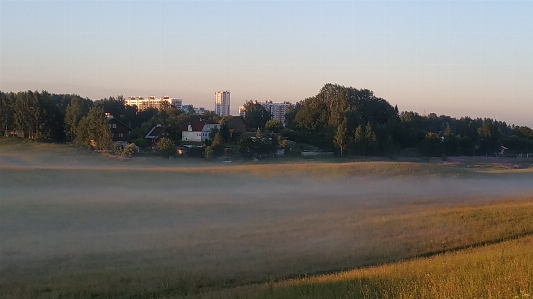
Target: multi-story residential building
{"points": [[277, 110], [222, 102], [152, 102], [176, 103]]}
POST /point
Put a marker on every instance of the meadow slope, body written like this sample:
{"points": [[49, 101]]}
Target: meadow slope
{"points": [[79, 225]]}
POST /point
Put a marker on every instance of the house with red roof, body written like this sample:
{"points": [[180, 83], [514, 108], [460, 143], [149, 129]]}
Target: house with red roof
{"points": [[197, 131]]}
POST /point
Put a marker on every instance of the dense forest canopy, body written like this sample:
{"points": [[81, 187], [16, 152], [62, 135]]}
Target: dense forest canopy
{"points": [[355, 121], [347, 120]]}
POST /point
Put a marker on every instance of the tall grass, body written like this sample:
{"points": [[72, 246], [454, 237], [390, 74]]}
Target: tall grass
{"points": [[503, 270]]}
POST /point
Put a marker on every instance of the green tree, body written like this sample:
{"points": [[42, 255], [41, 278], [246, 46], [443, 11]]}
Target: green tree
{"points": [[93, 130], [166, 147], [451, 142], [73, 114], [27, 113], [216, 145], [256, 115], [370, 139], [489, 134], [431, 146], [246, 146], [273, 126], [359, 141], [6, 112], [341, 137], [318, 117], [224, 130], [262, 143], [290, 115]]}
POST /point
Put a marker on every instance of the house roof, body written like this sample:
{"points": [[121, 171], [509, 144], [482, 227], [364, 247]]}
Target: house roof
{"points": [[111, 119], [197, 125], [232, 120], [156, 132]]}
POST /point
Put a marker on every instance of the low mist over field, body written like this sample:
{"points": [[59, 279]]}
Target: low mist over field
{"points": [[233, 223]]}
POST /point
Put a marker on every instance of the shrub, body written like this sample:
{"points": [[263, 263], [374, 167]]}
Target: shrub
{"points": [[209, 153], [115, 149], [166, 147], [129, 150]]}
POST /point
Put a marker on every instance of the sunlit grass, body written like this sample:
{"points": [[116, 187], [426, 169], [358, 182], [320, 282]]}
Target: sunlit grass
{"points": [[503, 270]]}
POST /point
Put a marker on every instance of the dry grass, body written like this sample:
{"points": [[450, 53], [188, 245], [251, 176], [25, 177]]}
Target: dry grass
{"points": [[498, 271]]}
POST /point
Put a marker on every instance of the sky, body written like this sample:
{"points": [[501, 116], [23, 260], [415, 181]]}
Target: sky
{"points": [[457, 58]]}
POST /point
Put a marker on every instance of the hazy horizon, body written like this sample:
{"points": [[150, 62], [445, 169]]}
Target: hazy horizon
{"points": [[452, 58]]}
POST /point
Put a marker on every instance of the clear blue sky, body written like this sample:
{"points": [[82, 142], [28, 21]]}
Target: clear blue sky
{"points": [[449, 57]]}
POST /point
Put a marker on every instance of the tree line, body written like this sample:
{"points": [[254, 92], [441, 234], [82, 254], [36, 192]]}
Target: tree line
{"points": [[343, 119], [46, 116], [355, 121]]}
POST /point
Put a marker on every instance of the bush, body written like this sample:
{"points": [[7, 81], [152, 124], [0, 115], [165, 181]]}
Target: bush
{"points": [[115, 149], [209, 153], [129, 150], [166, 147]]}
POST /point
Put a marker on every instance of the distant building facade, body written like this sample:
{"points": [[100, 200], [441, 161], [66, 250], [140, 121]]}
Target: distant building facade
{"points": [[242, 111], [277, 110], [197, 131], [222, 102], [153, 102]]}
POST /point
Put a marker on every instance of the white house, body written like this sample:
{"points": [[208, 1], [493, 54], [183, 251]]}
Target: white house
{"points": [[197, 130]]}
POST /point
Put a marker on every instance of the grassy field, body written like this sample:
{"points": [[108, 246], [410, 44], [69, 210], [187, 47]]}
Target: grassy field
{"points": [[503, 270], [78, 225]]}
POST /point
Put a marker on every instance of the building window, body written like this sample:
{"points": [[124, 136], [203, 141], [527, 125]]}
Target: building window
{"points": [[114, 126], [120, 134]]}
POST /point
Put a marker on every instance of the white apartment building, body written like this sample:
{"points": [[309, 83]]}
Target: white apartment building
{"points": [[277, 110], [152, 102], [222, 102]]}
